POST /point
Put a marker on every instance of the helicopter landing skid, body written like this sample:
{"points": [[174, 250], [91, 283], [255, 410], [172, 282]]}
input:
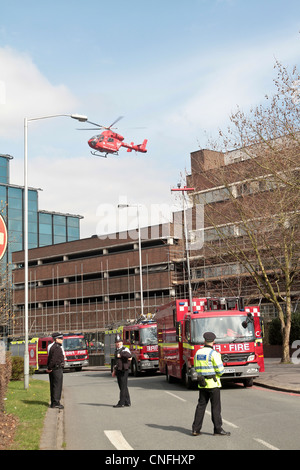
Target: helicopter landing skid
{"points": [[103, 155], [99, 154]]}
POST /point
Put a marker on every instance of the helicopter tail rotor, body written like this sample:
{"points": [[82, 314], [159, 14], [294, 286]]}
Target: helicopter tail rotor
{"points": [[142, 147]]}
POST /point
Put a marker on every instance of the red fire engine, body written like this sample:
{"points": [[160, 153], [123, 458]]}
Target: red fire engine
{"points": [[74, 345], [75, 350], [141, 339], [238, 333]]}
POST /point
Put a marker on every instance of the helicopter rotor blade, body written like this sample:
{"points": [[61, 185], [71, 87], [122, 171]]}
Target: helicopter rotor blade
{"points": [[95, 124], [99, 126], [89, 129], [117, 120]]}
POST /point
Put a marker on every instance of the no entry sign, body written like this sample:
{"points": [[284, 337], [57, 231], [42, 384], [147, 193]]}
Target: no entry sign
{"points": [[3, 237]]}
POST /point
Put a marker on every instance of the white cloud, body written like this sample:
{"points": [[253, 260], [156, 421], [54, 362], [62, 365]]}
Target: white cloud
{"points": [[220, 82], [93, 187], [27, 93]]}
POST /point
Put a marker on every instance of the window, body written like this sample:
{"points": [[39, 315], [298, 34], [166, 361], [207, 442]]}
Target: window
{"points": [[226, 329], [45, 229], [149, 335], [4, 170], [73, 228], [59, 229], [213, 195], [3, 200], [45, 240], [187, 327], [15, 218], [32, 219], [134, 336]]}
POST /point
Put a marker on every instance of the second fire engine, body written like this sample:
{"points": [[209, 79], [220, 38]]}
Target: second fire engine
{"points": [[238, 333], [140, 337]]}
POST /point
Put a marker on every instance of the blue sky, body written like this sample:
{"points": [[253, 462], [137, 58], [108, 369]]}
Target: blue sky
{"points": [[175, 68]]}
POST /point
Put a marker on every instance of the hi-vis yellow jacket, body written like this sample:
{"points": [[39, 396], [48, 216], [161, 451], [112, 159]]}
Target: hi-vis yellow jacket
{"points": [[208, 362]]}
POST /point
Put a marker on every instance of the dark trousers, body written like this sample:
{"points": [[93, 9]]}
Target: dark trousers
{"points": [[122, 377], [214, 396], [56, 382]]}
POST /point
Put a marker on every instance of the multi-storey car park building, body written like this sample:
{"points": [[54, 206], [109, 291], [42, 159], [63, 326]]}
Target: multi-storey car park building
{"points": [[89, 284]]}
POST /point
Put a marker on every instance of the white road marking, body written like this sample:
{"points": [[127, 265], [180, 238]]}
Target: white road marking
{"points": [[118, 440], [173, 395], [264, 443], [228, 423]]}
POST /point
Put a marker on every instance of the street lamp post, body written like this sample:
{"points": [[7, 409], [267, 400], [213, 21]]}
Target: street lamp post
{"points": [[184, 190], [80, 118], [120, 206]]}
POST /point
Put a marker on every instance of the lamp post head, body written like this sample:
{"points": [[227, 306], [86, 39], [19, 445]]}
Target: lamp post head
{"points": [[79, 117]]}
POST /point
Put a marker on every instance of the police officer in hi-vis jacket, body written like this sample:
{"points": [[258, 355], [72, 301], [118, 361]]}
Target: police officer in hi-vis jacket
{"points": [[209, 367]]}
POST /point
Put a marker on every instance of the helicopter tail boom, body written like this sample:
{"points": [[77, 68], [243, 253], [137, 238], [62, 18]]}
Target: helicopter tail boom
{"points": [[137, 148]]}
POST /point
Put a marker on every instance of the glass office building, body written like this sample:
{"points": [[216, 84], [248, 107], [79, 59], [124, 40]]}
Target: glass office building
{"points": [[44, 227]]}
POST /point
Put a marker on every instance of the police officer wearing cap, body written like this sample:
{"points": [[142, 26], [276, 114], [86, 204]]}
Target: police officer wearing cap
{"points": [[209, 367], [121, 370], [55, 366]]}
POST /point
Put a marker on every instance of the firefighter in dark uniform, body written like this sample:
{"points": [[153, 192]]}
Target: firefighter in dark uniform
{"points": [[55, 366], [209, 367], [121, 370]]}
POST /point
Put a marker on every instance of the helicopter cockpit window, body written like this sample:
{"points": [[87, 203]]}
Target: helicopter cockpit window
{"points": [[110, 139]]}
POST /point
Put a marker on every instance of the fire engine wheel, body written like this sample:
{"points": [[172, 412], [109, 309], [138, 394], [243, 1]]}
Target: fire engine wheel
{"points": [[169, 378], [134, 368], [248, 382], [187, 380]]}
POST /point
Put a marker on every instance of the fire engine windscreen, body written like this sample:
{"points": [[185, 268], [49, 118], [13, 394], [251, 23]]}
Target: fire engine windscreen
{"points": [[74, 344], [227, 329], [148, 335]]}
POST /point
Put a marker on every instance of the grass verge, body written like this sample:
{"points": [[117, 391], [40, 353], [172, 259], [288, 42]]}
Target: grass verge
{"points": [[30, 407]]}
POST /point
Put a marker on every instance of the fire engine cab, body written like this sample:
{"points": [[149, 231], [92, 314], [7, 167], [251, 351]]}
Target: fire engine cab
{"points": [[238, 331], [140, 337], [74, 346]]}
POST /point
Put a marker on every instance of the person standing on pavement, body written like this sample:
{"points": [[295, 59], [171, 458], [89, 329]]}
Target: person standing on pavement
{"points": [[209, 367], [55, 366], [121, 370]]}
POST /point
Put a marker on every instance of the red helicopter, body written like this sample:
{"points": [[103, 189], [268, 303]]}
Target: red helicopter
{"points": [[109, 142]]}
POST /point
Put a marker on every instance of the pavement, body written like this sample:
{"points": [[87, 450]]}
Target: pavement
{"points": [[277, 376]]}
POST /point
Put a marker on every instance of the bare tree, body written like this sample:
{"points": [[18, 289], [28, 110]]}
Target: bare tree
{"points": [[257, 221]]}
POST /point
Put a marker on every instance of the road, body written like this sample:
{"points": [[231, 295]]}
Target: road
{"points": [[161, 416]]}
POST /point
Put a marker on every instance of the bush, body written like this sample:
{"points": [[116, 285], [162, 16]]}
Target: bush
{"points": [[275, 336], [295, 329], [5, 375], [17, 368]]}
